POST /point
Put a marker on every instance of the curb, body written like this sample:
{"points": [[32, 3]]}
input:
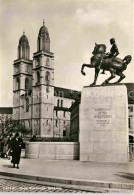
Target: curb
{"points": [[102, 184]]}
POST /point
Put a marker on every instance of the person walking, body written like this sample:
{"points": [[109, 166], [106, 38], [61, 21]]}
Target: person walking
{"points": [[16, 145]]}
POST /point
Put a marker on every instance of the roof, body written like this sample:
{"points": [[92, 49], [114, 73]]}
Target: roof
{"points": [[74, 105], [23, 40], [67, 93], [6, 110], [43, 30]]}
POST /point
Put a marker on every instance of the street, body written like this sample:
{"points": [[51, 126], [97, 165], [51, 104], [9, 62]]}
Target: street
{"points": [[7, 185]]}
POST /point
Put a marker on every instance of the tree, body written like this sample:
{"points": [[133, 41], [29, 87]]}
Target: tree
{"points": [[8, 125]]}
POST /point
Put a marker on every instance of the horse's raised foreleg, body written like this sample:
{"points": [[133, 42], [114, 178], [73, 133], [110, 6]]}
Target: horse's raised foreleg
{"points": [[112, 71], [122, 76], [97, 70], [86, 65]]}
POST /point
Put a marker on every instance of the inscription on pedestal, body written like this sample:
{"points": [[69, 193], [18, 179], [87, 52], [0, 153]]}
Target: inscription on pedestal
{"points": [[102, 116]]}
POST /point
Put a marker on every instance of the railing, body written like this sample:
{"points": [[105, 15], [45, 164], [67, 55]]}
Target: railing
{"points": [[131, 152]]}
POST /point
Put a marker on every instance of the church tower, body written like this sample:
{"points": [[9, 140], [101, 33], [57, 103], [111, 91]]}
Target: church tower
{"points": [[22, 81], [43, 85]]}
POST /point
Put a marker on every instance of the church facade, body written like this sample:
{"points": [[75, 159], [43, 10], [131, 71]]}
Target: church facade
{"points": [[37, 104]]}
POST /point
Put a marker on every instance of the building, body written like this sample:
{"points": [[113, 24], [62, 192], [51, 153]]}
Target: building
{"points": [[37, 104]]}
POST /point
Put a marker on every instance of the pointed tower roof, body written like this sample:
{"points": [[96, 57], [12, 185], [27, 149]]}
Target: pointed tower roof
{"points": [[43, 29], [23, 39], [23, 47], [43, 42]]}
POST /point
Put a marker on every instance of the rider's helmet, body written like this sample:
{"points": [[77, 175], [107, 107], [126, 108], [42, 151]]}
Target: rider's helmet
{"points": [[112, 40]]}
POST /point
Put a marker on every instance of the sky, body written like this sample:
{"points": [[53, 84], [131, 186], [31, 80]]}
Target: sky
{"points": [[74, 26]]}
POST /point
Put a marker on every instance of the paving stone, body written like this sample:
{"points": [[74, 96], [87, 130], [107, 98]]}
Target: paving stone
{"points": [[15, 186]]}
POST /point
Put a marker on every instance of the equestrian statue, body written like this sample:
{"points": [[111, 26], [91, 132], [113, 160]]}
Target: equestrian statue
{"points": [[108, 62]]}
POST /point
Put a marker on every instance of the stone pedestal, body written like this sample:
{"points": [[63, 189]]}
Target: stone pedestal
{"points": [[104, 124]]}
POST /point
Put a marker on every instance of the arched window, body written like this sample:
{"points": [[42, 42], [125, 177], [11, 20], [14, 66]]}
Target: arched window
{"points": [[58, 103], [47, 122], [64, 133], [37, 62], [26, 83], [64, 114], [47, 62], [47, 77], [18, 83], [27, 105], [61, 103], [47, 88], [37, 77]]}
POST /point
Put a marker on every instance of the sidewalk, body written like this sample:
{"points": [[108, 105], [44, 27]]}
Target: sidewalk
{"points": [[67, 171]]}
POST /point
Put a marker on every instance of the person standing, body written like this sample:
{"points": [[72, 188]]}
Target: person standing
{"points": [[5, 145], [9, 145], [16, 145]]}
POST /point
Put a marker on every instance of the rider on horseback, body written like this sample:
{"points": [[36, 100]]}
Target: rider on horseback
{"points": [[113, 51]]}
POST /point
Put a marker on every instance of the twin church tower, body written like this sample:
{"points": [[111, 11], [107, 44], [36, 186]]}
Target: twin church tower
{"points": [[37, 104]]}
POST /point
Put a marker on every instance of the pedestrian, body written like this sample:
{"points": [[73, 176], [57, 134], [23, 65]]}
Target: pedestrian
{"points": [[16, 145], [33, 139], [5, 146], [2, 145], [9, 145]]}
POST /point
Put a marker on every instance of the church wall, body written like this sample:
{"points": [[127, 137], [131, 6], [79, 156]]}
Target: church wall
{"points": [[16, 115], [66, 101], [46, 127], [25, 110], [36, 127]]}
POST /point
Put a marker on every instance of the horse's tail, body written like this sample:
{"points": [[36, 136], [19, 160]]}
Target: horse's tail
{"points": [[127, 59]]}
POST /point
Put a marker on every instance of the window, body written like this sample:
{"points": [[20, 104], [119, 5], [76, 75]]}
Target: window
{"points": [[58, 103], [47, 122], [56, 112], [26, 83], [18, 83], [129, 122], [47, 89], [56, 123], [130, 108], [29, 123], [27, 105], [47, 77], [37, 62], [64, 133], [47, 108], [61, 103], [47, 62], [64, 114], [38, 77]]}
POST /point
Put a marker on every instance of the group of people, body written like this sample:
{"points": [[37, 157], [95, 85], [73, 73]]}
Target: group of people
{"points": [[11, 148]]}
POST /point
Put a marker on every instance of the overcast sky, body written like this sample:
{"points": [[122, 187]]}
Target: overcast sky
{"points": [[74, 26]]}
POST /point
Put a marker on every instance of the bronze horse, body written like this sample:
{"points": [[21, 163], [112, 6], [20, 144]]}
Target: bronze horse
{"points": [[116, 66]]}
